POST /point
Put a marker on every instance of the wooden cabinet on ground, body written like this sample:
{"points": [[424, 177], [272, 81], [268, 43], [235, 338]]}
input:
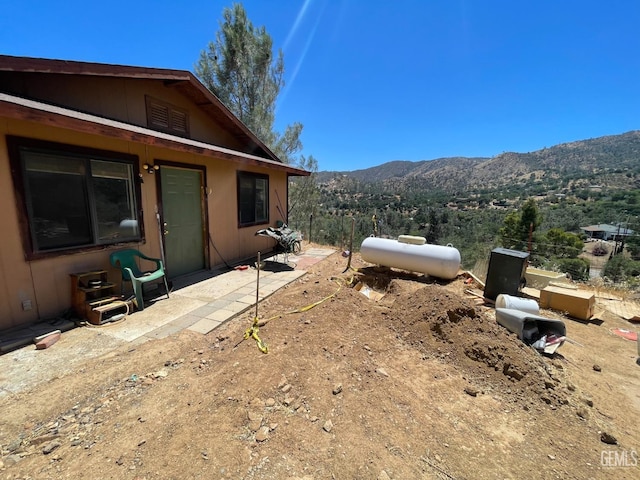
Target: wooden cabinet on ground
{"points": [[93, 297]]}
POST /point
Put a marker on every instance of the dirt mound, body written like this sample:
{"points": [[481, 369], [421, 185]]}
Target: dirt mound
{"points": [[443, 325]]}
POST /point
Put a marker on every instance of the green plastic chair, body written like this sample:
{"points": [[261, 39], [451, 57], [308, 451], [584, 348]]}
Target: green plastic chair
{"points": [[126, 261]]}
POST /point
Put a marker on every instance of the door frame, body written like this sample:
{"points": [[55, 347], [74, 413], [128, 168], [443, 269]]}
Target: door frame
{"points": [[203, 205]]}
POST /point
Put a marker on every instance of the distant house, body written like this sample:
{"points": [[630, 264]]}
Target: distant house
{"points": [[501, 203], [606, 232], [96, 158]]}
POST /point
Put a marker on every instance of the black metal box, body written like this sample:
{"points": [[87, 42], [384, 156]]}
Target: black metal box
{"points": [[506, 272]]}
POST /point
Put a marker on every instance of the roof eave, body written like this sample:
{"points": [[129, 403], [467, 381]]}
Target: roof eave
{"points": [[38, 112]]}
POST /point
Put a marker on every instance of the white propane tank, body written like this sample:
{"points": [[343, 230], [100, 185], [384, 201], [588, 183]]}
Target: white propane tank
{"points": [[434, 260]]}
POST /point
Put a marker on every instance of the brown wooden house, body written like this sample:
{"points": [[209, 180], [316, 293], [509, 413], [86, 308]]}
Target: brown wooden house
{"points": [[96, 158]]}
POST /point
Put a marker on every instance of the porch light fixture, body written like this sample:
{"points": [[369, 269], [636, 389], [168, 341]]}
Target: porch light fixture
{"points": [[150, 168]]}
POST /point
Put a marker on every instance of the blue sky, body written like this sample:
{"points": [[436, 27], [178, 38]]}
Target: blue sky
{"points": [[380, 80]]}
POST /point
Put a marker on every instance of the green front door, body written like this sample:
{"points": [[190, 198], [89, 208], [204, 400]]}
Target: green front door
{"points": [[183, 219]]}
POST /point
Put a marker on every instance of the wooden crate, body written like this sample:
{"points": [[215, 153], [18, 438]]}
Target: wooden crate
{"points": [[576, 303]]}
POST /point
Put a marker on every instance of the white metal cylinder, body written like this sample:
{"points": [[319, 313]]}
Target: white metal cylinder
{"points": [[435, 260], [517, 303]]}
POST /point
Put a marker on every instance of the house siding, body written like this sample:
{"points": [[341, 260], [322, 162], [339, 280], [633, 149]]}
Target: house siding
{"points": [[46, 283]]}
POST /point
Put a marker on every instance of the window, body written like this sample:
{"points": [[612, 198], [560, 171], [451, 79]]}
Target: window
{"points": [[167, 118], [253, 198], [75, 198]]}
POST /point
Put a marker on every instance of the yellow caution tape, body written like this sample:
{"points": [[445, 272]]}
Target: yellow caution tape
{"points": [[252, 332]]}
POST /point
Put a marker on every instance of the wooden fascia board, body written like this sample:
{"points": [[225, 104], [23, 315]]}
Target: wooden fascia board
{"points": [[70, 67]]}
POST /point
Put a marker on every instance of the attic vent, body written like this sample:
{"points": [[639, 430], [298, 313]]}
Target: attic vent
{"points": [[180, 121], [158, 116], [167, 118]]}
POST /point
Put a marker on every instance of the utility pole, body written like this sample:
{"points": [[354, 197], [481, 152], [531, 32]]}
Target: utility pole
{"points": [[626, 233]]}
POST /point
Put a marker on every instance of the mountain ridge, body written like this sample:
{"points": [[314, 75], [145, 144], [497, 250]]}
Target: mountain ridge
{"points": [[611, 160]]}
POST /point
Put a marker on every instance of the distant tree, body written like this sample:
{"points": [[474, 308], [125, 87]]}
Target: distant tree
{"points": [[578, 268], [433, 227], [509, 232], [241, 70], [633, 246], [304, 194], [517, 225], [420, 218], [560, 244], [621, 269], [569, 217], [530, 218]]}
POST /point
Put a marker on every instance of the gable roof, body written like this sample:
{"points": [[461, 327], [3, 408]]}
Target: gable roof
{"points": [[183, 81], [610, 229]]}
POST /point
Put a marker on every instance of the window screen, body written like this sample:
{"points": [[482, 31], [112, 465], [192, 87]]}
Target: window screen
{"points": [[75, 200], [253, 198]]}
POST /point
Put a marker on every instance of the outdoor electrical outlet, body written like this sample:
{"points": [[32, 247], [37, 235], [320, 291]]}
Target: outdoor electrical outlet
{"points": [[26, 305]]}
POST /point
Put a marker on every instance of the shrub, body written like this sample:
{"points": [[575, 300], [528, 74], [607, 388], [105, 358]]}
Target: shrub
{"points": [[578, 268], [621, 269]]}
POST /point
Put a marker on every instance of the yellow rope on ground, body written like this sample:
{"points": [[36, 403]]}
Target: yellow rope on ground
{"points": [[252, 332], [308, 307]]}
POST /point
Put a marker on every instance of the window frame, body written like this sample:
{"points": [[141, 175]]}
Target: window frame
{"points": [[253, 176], [15, 145]]}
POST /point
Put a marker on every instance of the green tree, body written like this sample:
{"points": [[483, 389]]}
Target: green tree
{"points": [[517, 226], [241, 70], [433, 228], [560, 244], [509, 232], [578, 268], [633, 246], [304, 194], [621, 269], [530, 218]]}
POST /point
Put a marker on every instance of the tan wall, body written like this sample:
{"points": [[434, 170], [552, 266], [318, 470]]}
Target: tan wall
{"points": [[120, 99], [223, 213], [46, 282], [15, 274]]}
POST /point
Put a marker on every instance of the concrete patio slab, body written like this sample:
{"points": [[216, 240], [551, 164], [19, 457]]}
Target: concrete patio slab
{"points": [[221, 315], [204, 325]]}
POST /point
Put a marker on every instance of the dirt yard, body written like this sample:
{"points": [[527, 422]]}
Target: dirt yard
{"points": [[422, 384]]}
